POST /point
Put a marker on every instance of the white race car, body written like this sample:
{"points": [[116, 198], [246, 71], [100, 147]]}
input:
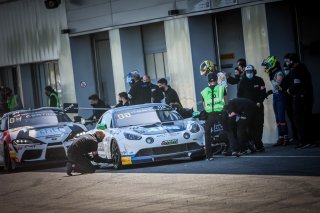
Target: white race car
{"points": [[35, 135], [147, 133]]}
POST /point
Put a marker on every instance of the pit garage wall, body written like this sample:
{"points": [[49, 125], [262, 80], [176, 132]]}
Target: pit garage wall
{"points": [[31, 33], [202, 48], [94, 15], [83, 69], [180, 60], [255, 33]]}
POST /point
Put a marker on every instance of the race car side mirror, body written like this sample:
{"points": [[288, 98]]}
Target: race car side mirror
{"points": [[102, 126], [77, 119]]}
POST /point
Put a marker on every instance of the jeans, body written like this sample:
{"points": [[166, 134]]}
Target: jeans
{"points": [[280, 114]]}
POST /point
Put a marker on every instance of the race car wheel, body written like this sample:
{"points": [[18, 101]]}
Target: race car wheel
{"points": [[9, 164], [115, 155]]}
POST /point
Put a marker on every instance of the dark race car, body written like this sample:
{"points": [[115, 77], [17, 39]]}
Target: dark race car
{"points": [[35, 135]]}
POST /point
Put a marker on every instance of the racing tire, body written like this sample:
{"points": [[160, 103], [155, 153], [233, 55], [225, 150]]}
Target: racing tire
{"points": [[9, 164], [116, 155]]}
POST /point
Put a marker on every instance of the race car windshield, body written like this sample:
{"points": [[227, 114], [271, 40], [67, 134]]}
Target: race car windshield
{"points": [[34, 118], [144, 116]]}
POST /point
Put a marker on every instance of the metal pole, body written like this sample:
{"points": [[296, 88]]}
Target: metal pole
{"points": [[217, 41], [298, 33]]}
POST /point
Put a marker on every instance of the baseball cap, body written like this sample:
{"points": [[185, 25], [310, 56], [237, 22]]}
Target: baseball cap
{"points": [[249, 68], [212, 77]]}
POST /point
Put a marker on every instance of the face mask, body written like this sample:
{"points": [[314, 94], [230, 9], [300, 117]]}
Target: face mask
{"points": [[249, 75], [99, 139], [163, 89], [286, 72]]}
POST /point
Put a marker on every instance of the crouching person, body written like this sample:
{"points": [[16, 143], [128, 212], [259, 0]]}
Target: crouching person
{"points": [[79, 160], [242, 125]]}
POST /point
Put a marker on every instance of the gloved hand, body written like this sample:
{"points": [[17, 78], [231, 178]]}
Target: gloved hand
{"points": [[270, 92]]}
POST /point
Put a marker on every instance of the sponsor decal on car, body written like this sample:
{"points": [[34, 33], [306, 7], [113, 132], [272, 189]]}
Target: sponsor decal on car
{"points": [[169, 142], [126, 160], [12, 154]]}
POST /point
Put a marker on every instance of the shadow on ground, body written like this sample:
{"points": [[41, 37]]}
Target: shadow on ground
{"points": [[275, 161]]}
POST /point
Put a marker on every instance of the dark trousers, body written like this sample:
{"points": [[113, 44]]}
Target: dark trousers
{"points": [[280, 114], [256, 125], [302, 111], [289, 111], [82, 163], [240, 134], [212, 118]]}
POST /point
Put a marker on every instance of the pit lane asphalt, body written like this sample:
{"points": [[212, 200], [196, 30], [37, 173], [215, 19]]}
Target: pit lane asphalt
{"points": [[281, 179]]}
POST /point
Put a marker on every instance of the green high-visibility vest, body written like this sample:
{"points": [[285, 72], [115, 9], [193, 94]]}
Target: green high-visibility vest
{"points": [[56, 97], [12, 103], [215, 103]]}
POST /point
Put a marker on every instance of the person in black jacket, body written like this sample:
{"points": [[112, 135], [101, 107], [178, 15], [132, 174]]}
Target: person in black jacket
{"points": [[99, 107], [288, 98], [170, 95], [78, 159], [140, 92], [238, 72], [301, 89], [242, 124], [156, 93], [123, 99], [253, 88]]}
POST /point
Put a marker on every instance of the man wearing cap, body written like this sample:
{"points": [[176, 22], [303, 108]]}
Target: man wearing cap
{"points": [[253, 88], [214, 99], [78, 158]]}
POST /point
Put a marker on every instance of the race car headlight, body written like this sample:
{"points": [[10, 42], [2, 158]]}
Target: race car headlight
{"points": [[194, 128], [79, 134], [130, 136], [24, 141], [74, 135]]}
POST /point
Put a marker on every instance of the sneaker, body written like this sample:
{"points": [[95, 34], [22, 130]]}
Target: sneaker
{"points": [[262, 149], [70, 168], [237, 154], [286, 140], [210, 159], [252, 149]]}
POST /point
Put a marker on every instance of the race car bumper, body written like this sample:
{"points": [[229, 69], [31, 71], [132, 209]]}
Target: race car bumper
{"points": [[159, 154], [33, 153]]}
